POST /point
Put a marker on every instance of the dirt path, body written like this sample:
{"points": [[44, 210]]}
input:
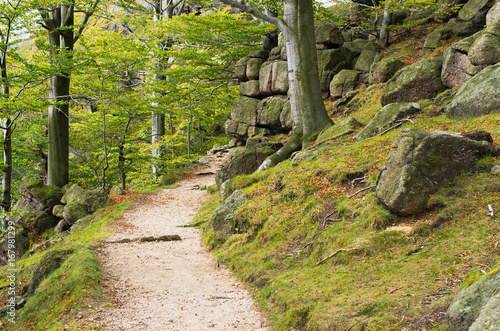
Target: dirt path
{"points": [[171, 285]]}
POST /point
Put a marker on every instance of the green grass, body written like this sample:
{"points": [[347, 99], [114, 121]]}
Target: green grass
{"points": [[73, 288]]}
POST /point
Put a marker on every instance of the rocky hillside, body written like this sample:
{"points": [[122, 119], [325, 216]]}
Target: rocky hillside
{"points": [[389, 220]]}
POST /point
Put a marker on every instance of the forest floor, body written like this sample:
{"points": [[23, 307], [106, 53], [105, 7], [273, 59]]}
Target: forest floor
{"points": [[173, 285]]}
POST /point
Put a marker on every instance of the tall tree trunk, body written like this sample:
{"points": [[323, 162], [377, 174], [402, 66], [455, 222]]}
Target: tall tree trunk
{"points": [[306, 101], [62, 40], [158, 131], [7, 162]]}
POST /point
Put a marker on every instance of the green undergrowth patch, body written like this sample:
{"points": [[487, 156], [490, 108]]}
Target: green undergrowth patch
{"points": [[71, 290], [322, 253]]}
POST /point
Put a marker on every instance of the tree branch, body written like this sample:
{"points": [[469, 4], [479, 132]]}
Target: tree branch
{"points": [[85, 21], [250, 10]]}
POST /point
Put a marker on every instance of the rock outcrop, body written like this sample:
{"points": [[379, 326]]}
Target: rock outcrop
{"points": [[477, 308], [421, 80], [421, 162], [222, 221], [477, 97]]}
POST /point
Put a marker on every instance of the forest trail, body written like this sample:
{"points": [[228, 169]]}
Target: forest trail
{"points": [[172, 285]]}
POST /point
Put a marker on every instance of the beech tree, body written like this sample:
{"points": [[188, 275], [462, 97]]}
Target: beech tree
{"points": [[308, 110], [59, 21]]}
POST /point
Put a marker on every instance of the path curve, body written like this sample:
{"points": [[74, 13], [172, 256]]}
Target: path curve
{"points": [[171, 285]]}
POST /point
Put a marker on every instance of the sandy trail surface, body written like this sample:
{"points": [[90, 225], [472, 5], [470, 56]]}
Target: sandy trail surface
{"points": [[173, 285]]}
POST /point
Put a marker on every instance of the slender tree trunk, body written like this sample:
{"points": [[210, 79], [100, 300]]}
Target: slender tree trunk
{"points": [[7, 161], [158, 131], [383, 39]]}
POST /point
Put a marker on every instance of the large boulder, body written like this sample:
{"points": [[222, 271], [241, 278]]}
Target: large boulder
{"points": [[486, 48], [455, 66], [387, 117], [356, 46], [476, 308], [477, 97], [421, 162], [273, 78], [37, 221], [343, 82], [250, 89], [269, 112], [80, 203], [493, 14], [383, 70], [331, 62], [242, 161], [421, 80], [253, 67], [237, 129], [367, 56], [244, 110], [35, 194], [328, 36], [475, 11], [240, 69], [222, 220]]}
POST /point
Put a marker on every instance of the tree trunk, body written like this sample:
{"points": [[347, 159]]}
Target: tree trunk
{"points": [[383, 39], [62, 40], [306, 101], [7, 161], [158, 131]]}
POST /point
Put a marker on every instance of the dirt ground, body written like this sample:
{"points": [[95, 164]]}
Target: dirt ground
{"points": [[172, 285]]}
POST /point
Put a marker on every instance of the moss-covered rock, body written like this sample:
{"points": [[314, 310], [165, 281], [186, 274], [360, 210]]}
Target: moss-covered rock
{"points": [[475, 11], [493, 14], [470, 303], [116, 190], [433, 39], [241, 69], [245, 160], [250, 89], [269, 111], [286, 117], [38, 221], [74, 192], [387, 117], [244, 110], [280, 77], [421, 80], [74, 211], [38, 195], [464, 29], [349, 123], [383, 70], [222, 220], [253, 67], [51, 261], [356, 46], [331, 62], [479, 96], [455, 65], [58, 210], [343, 82], [367, 57], [328, 35], [486, 49], [237, 129], [420, 163]]}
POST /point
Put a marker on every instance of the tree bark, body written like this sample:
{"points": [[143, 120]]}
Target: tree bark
{"points": [[383, 39], [7, 161]]}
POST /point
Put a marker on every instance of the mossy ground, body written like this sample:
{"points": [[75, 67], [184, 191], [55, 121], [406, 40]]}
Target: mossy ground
{"points": [[319, 258], [70, 291]]}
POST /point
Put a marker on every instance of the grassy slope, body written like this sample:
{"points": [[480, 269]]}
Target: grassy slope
{"points": [[73, 288], [298, 215]]}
